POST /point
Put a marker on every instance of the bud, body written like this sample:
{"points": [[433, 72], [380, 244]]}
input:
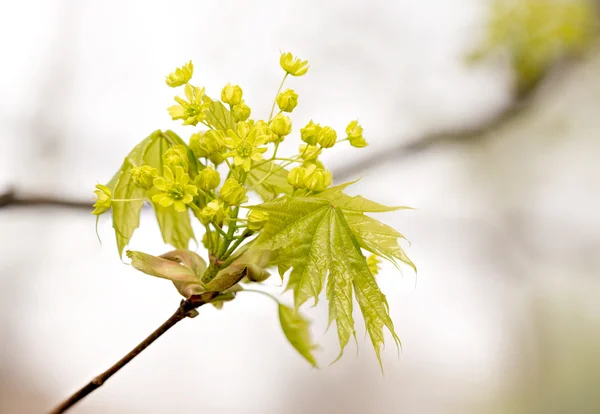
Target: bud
{"points": [[181, 75], [317, 179], [206, 144], [355, 135], [327, 137], [257, 219], [292, 65], [241, 112], [296, 177], [310, 132], [144, 176], [176, 156], [233, 193], [213, 212], [207, 179], [231, 94], [287, 100], [103, 199], [281, 125], [210, 239]]}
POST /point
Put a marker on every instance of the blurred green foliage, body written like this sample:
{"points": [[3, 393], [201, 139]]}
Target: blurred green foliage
{"points": [[537, 33]]}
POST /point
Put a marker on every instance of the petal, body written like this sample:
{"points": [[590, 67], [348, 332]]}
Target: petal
{"points": [[179, 173], [247, 164], [168, 174], [238, 160], [186, 199], [176, 112], [189, 92], [156, 198], [256, 156], [166, 201], [179, 206], [191, 189], [160, 183], [261, 149]]}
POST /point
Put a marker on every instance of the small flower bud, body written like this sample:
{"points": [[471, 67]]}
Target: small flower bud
{"points": [[181, 75], [231, 94], [257, 219], [296, 177], [176, 156], [103, 199], [310, 132], [233, 193], [281, 125], [287, 100], [144, 176], [292, 65], [355, 135], [205, 144], [207, 179], [317, 179], [241, 111], [327, 137], [213, 212]]}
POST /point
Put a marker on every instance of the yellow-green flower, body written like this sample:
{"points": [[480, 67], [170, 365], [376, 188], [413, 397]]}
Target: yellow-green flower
{"points": [[245, 145], [176, 156], [231, 94], [208, 179], [287, 100], [241, 111], [355, 135], [317, 179], [327, 137], [181, 75], [144, 176], [281, 125], [175, 189], [310, 132], [192, 110], [103, 199], [206, 144], [257, 219], [293, 65], [233, 193], [213, 212], [296, 177]]}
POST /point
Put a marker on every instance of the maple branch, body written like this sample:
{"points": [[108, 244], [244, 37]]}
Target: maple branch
{"points": [[187, 308], [10, 198]]}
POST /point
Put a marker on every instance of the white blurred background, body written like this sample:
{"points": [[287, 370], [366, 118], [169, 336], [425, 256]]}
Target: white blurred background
{"points": [[503, 316]]}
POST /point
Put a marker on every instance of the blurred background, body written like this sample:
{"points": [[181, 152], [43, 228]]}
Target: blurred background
{"points": [[481, 114]]}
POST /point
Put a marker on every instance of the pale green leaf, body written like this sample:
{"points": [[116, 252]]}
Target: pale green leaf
{"points": [[269, 181], [219, 117], [126, 215], [378, 238], [297, 331]]}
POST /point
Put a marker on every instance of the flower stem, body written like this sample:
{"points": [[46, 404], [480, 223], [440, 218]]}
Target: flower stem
{"points": [[186, 309], [276, 95]]}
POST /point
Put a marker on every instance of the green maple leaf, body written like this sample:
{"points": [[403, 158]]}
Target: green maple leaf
{"points": [[321, 238], [175, 227]]}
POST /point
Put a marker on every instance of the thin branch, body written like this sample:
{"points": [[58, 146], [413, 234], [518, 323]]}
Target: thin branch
{"points": [[11, 198], [187, 308], [427, 142]]}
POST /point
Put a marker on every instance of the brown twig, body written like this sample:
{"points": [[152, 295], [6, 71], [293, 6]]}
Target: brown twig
{"points": [[186, 309], [11, 198]]}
